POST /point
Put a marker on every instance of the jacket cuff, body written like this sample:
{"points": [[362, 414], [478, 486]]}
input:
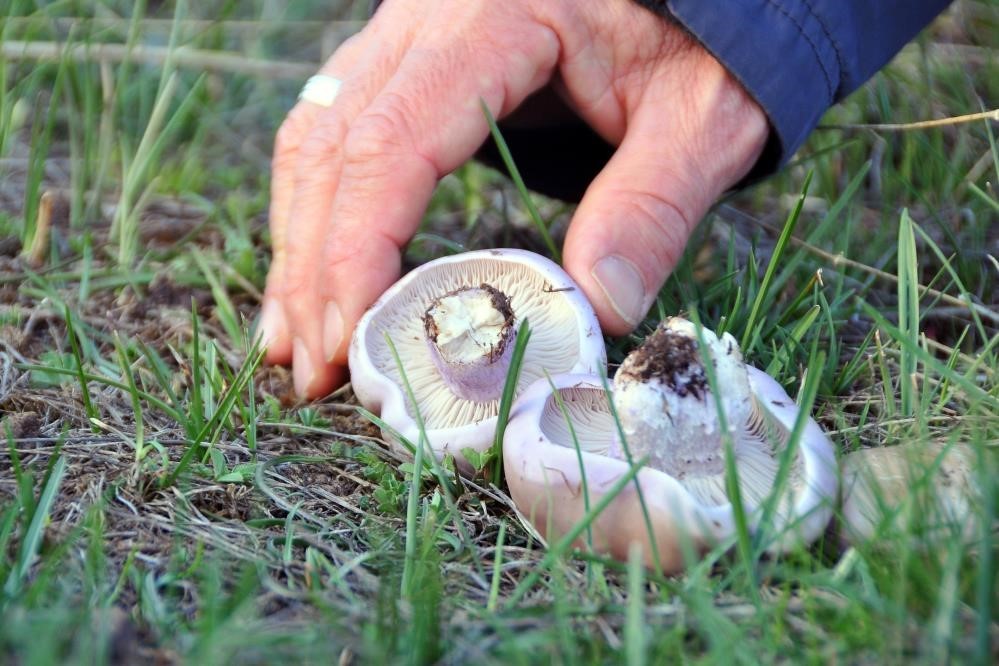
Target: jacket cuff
{"points": [[779, 51]]}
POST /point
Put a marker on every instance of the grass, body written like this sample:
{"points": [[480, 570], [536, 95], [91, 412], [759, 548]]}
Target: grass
{"points": [[164, 497]]}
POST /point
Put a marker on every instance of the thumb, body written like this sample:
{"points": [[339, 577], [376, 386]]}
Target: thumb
{"points": [[633, 223]]}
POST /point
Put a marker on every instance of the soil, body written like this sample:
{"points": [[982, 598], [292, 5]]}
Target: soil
{"points": [[673, 359]]}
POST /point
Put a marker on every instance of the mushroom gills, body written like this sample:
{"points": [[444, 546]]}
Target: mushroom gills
{"points": [[590, 423], [758, 448], [470, 331]]}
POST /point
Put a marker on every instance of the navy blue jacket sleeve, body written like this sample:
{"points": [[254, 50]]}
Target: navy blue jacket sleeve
{"points": [[799, 57]]}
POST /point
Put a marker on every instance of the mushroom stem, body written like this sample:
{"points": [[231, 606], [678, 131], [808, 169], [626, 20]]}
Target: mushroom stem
{"points": [[664, 403], [470, 333]]}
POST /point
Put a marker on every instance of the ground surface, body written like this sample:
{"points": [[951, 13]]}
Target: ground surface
{"points": [[162, 498]]}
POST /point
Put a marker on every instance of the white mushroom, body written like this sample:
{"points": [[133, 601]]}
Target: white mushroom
{"points": [[668, 415], [453, 322], [925, 489]]}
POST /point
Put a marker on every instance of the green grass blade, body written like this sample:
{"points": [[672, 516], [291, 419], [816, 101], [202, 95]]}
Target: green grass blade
{"points": [[976, 394], [423, 446], [518, 181], [634, 625], [32, 538], [783, 358], [579, 453], [508, 396], [806, 400], [653, 542], [210, 431], [494, 583], [732, 486], [133, 394], [74, 345], [763, 295], [908, 312]]}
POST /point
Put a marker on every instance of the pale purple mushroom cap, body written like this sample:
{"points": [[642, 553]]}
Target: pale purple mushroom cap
{"points": [[565, 337], [545, 478]]}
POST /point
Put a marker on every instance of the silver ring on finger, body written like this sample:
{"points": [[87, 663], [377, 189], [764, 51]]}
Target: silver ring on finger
{"points": [[320, 89]]}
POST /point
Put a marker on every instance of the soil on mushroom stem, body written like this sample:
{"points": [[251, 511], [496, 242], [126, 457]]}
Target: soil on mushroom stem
{"points": [[673, 359]]}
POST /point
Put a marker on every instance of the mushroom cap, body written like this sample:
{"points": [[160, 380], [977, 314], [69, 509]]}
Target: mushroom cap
{"points": [[565, 337], [546, 482], [930, 488]]}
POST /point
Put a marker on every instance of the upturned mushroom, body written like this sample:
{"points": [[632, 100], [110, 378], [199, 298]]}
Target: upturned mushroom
{"points": [[669, 417], [454, 322], [929, 490]]}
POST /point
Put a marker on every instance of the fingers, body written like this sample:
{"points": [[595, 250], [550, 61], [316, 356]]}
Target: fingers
{"points": [[318, 164], [681, 151], [306, 166], [273, 330]]}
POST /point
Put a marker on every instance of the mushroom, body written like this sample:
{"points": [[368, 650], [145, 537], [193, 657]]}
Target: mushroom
{"points": [[927, 489], [669, 418], [454, 322]]}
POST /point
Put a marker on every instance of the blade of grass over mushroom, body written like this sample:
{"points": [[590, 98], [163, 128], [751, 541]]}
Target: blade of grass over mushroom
{"points": [[563, 545], [424, 447], [412, 506], [507, 398], [751, 334], [557, 395], [518, 181], [732, 486], [423, 442], [406, 444], [630, 460], [806, 399]]}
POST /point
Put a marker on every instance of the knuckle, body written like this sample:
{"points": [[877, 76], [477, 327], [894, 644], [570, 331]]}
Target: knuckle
{"points": [[378, 133], [666, 222], [321, 145]]}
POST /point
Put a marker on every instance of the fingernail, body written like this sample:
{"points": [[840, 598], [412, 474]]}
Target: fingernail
{"points": [[302, 368], [332, 331], [623, 286], [270, 323]]}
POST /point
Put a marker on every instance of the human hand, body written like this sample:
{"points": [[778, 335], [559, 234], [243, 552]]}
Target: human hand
{"points": [[351, 181]]}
